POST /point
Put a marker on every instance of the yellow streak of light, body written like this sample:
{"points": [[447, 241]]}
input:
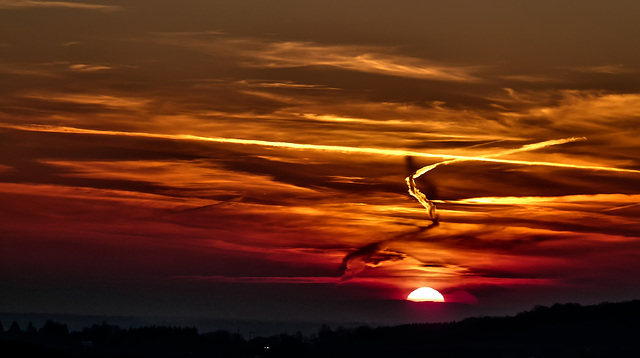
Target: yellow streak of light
{"points": [[317, 147], [431, 207], [517, 200], [621, 207], [604, 203]]}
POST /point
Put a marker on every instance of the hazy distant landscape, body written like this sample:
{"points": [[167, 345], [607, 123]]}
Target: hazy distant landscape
{"points": [[374, 314], [562, 330]]}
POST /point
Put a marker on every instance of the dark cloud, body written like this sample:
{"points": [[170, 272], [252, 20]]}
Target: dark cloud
{"points": [[377, 253]]}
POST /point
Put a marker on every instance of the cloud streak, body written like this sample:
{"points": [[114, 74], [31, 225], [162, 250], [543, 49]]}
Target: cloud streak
{"points": [[377, 253], [432, 213], [303, 146], [266, 279], [25, 4], [262, 53], [81, 67], [370, 60]]}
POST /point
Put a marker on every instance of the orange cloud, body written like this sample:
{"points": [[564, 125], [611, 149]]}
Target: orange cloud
{"points": [[612, 69], [299, 146], [92, 99], [288, 54], [81, 67], [23, 4]]}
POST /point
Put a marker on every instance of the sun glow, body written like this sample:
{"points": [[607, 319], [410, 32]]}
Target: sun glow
{"points": [[425, 294]]}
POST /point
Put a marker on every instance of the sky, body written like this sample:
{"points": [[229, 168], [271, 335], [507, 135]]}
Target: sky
{"points": [[318, 159]]}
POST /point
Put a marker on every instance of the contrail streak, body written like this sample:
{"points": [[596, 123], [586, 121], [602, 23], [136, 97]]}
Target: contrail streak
{"points": [[621, 207], [431, 207], [376, 253], [302, 146]]}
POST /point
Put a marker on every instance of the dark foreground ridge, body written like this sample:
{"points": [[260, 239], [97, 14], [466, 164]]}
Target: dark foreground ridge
{"points": [[563, 330]]}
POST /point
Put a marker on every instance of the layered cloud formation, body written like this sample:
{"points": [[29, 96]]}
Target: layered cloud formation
{"points": [[216, 162]]}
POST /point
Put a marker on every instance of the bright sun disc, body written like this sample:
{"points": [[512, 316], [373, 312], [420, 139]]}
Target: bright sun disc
{"points": [[425, 294]]}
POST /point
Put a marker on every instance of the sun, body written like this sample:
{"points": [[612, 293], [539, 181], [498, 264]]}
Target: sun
{"points": [[425, 294]]}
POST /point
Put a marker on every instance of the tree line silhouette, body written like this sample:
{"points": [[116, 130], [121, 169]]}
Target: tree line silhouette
{"points": [[562, 330]]}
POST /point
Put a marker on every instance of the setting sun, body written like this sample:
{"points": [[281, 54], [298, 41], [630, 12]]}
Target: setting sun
{"points": [[425, 294]]}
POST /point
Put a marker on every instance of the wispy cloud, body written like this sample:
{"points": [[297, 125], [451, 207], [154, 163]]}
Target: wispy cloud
{"points": [[26, 70], [593, 114], [612, 69], [108, 101], [283, 84], [22, 4], [199, 177], [106, 195], [532, 78], [264, 279], [303, 146], [431, 208], [261, 53], [363, 59], [81, 67]]}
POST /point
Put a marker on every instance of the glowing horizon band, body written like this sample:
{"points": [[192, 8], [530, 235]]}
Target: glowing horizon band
{"points": [[317, 147]]}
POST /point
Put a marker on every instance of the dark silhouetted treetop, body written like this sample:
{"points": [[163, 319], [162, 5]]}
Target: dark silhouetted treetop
{"points": [[14, 328], [54, 329], [563, 330]]}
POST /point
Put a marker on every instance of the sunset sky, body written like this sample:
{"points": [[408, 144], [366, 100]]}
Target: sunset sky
{"points": [[247, 158]]}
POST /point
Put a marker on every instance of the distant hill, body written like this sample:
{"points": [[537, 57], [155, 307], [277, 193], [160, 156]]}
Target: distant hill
{"points": [[562, 330]]}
